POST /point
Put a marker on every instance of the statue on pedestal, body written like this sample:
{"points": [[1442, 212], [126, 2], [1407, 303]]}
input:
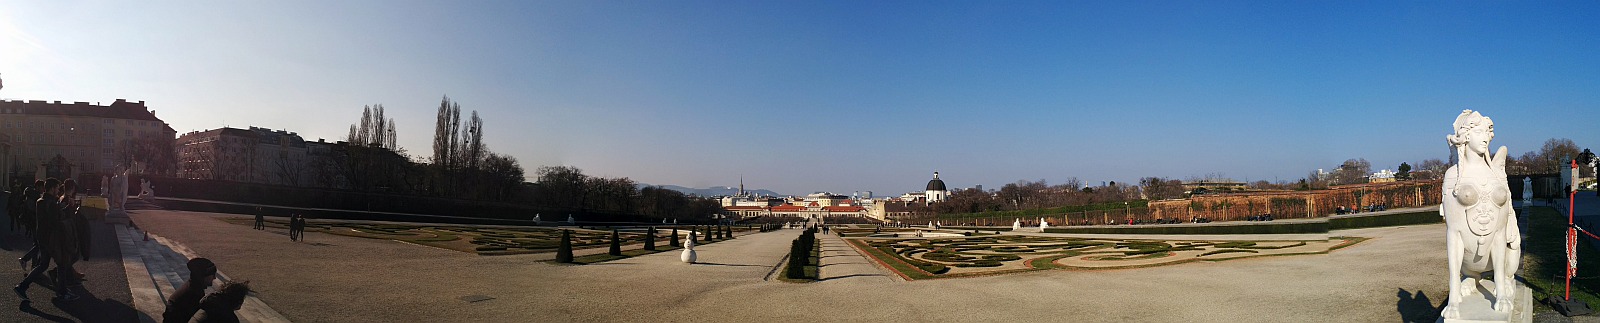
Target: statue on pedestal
{"points": [[1043, 225], [1016, 226], [1481, 227]]}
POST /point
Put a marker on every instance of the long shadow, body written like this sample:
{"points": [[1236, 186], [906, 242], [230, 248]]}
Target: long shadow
{"points": [[730, 265], [43, 315], [844, 263], [851, 275], [1417, 308]]}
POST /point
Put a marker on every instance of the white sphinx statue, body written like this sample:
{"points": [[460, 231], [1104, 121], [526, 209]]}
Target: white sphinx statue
{"points": [[1043, 225], [145, 192], [1481, 227]]}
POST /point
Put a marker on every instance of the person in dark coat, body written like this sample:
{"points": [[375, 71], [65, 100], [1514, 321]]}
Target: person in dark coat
{"points": [[48, 217], [219, 307], [186, 300], [261, 220], [294, 228]]}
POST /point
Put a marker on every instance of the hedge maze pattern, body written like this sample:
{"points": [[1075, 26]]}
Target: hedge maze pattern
{"points": [[476, 239], [999, 254]]}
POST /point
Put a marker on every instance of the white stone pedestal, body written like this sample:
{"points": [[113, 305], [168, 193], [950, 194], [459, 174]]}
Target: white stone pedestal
{"points": [[1477, 308]]}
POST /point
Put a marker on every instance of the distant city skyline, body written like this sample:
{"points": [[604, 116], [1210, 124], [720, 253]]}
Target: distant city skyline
{"points": [[799, 97]]}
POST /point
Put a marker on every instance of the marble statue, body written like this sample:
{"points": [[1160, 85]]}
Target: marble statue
{"points": [[1016, 226], [1527, 190], [930, 225], [1043, 225], [145, 192], [535, 218], [119, 191], [688, 249], [1481, 233], [571, 220]]}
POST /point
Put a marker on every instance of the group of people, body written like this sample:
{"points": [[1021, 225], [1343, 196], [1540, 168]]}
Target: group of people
{"points": [[297, 227], [191, 298], [49, 212]]}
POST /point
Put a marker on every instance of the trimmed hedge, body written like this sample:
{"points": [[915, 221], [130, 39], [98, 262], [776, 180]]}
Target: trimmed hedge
{"points": [[1386, 220], [564, 252], [1253, 228]]}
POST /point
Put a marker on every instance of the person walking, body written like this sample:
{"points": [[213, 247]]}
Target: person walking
{"points": [[73, 240], [261, 220], [294, 227], [48, 216], [186, 300], [30, 208]]}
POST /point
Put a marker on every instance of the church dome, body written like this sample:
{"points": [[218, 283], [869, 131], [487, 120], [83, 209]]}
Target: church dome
{"points": [[936, 184]]}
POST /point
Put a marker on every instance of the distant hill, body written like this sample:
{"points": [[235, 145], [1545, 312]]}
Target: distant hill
{"points": [[715, 190]]}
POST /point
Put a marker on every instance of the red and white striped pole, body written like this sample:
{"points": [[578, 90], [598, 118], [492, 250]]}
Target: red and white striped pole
{"points": [[1572, 232]]}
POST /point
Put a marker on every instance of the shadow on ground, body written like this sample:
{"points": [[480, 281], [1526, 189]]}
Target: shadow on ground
{"points": [[1417, 308]]}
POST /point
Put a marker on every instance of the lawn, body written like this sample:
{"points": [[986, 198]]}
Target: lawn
{"points": [[1544, 258]]}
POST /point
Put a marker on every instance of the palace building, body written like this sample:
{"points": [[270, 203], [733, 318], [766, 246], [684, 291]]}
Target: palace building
{"points": [[79, 140]]}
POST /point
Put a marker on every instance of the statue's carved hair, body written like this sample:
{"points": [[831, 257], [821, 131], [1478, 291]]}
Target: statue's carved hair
{"points": [[1464, 123]]}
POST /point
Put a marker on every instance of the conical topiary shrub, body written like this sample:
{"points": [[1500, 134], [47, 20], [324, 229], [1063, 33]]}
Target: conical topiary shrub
{"points": [[564, 251], [616, 244], [729, 231], [650, 239], [674, 242]]}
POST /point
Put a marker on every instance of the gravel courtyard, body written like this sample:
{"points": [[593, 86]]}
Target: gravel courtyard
{"points": [[348, 279]]}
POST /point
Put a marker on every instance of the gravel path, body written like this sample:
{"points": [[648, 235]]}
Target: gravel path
{"points": [[346, 279]]}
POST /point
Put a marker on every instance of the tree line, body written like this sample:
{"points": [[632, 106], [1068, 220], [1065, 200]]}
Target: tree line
{"points": [[463, 166]]}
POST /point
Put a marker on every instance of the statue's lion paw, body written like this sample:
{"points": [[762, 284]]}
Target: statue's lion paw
{"points": [[1468, 286], [1502, 306], [1450, 312]]}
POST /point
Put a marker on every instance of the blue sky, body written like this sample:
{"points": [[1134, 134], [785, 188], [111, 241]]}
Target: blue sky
{"points": [[803, 96]]}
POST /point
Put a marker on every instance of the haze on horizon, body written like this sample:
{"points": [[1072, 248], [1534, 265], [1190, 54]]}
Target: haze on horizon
{"points": [[838, 96]]}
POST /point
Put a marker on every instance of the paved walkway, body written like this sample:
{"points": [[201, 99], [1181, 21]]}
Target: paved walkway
{"points": [[346, 279], [840, 261], [156, 267], [104, 295]]}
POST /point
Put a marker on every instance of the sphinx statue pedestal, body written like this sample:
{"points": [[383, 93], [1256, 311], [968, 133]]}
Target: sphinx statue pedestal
{"points": [[1479, 307]]}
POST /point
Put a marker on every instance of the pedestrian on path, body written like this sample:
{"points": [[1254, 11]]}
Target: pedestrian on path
{"points": [[294, 227], [219, 307], [261, 220], [186, 300], [30, 208], [49, 217]]}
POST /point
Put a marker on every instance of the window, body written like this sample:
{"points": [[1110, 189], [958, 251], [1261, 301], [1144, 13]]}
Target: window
{"points": [[128, 132]]}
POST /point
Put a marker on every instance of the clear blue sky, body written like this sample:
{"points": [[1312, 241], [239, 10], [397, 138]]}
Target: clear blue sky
{"points": [[803, 96]]}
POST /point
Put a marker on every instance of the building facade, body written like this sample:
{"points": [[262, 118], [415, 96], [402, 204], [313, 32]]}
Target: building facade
{"points": [[254, 155], [80, 140]]}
